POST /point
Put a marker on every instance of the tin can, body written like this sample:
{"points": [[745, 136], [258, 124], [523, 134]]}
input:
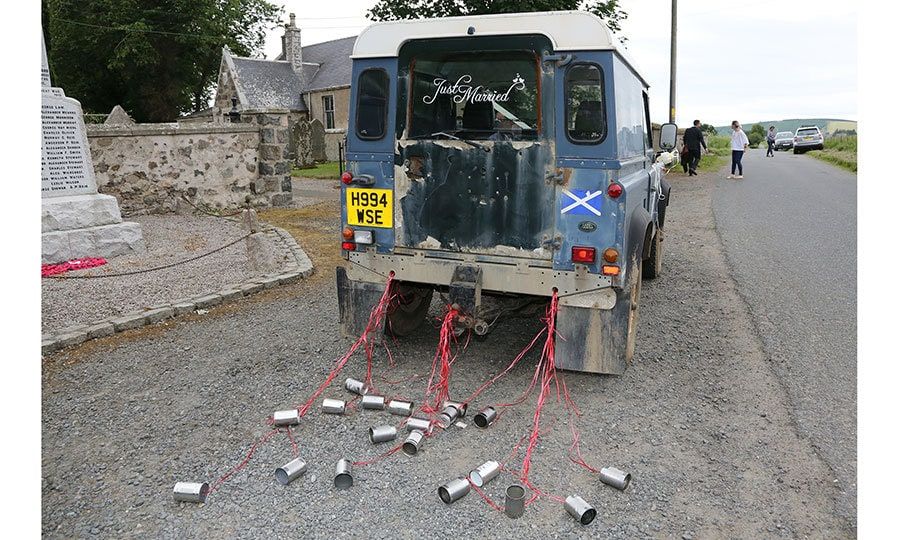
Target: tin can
{"points": [[290, 472], [333, 406], [286, 418], [453, 490], [382, 434], [194, 492], [579, 509], [343, 474], [373, 402], [485, 472], [400, 408]]}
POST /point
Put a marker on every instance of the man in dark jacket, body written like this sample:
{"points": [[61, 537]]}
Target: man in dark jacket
{"points": [[693, 139]]}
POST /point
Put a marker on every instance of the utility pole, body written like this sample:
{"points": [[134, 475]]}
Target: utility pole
{"points": [[672, 61]]}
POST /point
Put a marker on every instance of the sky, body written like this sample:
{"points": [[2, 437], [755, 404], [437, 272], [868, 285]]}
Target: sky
{"points": [[737, 60]]}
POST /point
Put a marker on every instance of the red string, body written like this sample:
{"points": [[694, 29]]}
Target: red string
{"points": [[294, 449], [376, 317], [547, 368], [487, 499], [379, 457], [244, 462], [440, 366], [512, 364]]}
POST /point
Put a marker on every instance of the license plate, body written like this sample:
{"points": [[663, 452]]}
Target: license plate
{"points": [[807, 138], [370, 207]]}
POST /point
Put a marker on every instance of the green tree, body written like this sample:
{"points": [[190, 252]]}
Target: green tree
{"points": [[707, 128], [757, 135], [156, 58], [388, 10]]}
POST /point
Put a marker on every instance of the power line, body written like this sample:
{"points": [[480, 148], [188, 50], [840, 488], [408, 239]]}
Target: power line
{"points": [[137, 30]]}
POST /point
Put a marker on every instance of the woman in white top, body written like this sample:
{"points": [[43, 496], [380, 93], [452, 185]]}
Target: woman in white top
{"points": [[739, 143]]}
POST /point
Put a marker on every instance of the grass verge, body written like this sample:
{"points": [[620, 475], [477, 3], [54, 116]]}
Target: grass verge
{"points": [[327, 170], [317, 229], [840, 151]]}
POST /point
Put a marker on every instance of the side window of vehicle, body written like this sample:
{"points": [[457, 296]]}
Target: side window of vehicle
{"points": [[371, 104], [585, 107]]}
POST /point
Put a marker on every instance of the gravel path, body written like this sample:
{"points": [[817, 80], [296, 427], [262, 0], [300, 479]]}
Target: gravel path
{"points": [[170, 238], [700, 421]]}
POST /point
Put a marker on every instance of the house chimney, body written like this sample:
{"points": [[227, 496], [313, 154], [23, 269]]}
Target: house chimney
{"points": [[293, 52]]}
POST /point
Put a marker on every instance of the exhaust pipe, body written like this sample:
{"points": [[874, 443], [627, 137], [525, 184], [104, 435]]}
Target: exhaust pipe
{"points": [[612, 476], [373, 402], [579, 509], [382, 434], [461, 407], [412, 443], [419, 424], [453, 490], [290, 472], [485, 417], [286, 418], [343, 477], [400, 408], [194, 492], [333, 406], [355, 386], [485, 472], [448, 416], [515, 501]]}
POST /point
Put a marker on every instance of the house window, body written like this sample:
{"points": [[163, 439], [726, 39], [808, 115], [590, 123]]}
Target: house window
{"points": [[328, 108]]}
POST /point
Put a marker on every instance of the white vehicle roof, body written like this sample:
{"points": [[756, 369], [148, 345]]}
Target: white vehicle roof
{"points": [[566, 30]]}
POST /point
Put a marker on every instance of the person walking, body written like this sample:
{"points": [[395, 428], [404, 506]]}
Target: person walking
{"points": [[693, 139], [739, 144], [770, 138]]}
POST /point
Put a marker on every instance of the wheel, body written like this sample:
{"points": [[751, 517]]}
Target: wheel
{"points": [[634, 301], [408, 310], [796, 151], [652, 266]]}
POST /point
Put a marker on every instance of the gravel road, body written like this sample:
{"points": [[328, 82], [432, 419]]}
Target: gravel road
{"points": [[789, 228], [170, 238], [700, 420]]}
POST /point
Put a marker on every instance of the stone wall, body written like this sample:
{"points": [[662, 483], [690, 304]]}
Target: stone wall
{"points": [[149, 167]]}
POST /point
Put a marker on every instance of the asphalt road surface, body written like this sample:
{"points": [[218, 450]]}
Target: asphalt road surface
{"points": [[701, 420], [789, 230]]}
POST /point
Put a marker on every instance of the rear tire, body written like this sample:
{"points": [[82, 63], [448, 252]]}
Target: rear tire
{"points": [[652, 267], [634, 302], [408, 310]]}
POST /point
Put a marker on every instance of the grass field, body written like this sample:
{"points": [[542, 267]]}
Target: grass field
{"points": [[326, 170], [841, 151]]}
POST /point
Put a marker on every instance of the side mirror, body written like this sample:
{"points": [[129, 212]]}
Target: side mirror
{"points": [[668, 133]]}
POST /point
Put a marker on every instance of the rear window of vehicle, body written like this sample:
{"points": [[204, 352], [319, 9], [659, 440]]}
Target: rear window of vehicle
{"points": [[784, 135], [487, 95], [808, 131], [585, 117]]}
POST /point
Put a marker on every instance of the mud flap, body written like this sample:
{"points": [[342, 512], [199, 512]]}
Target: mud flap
{"points": [[593, 340], [596, 340], [355, 302]]}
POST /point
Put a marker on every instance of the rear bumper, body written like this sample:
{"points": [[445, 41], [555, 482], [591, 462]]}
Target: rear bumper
{"points": [[811, 145], [513, 275]]}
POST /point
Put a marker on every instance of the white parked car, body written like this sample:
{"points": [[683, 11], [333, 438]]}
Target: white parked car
{"points": [[808, 138]]}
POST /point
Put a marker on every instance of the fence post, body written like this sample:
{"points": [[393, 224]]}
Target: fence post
{"points": [[250, 223]]}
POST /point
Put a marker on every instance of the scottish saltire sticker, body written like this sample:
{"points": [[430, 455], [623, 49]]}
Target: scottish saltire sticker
{"points": [[581, 202]]}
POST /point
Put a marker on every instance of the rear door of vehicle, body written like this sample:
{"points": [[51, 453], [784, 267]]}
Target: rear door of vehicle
{"points": [[475, 149]]}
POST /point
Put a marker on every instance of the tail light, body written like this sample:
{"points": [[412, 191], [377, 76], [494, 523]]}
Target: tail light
{"points": [[614, 190], [348, 246], [585, 255], [347, 233], [610, 270], [610, 255], [346, 177]]}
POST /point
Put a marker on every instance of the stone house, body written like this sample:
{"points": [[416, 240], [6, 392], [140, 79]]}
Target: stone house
{"points": [[302, 83]]}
